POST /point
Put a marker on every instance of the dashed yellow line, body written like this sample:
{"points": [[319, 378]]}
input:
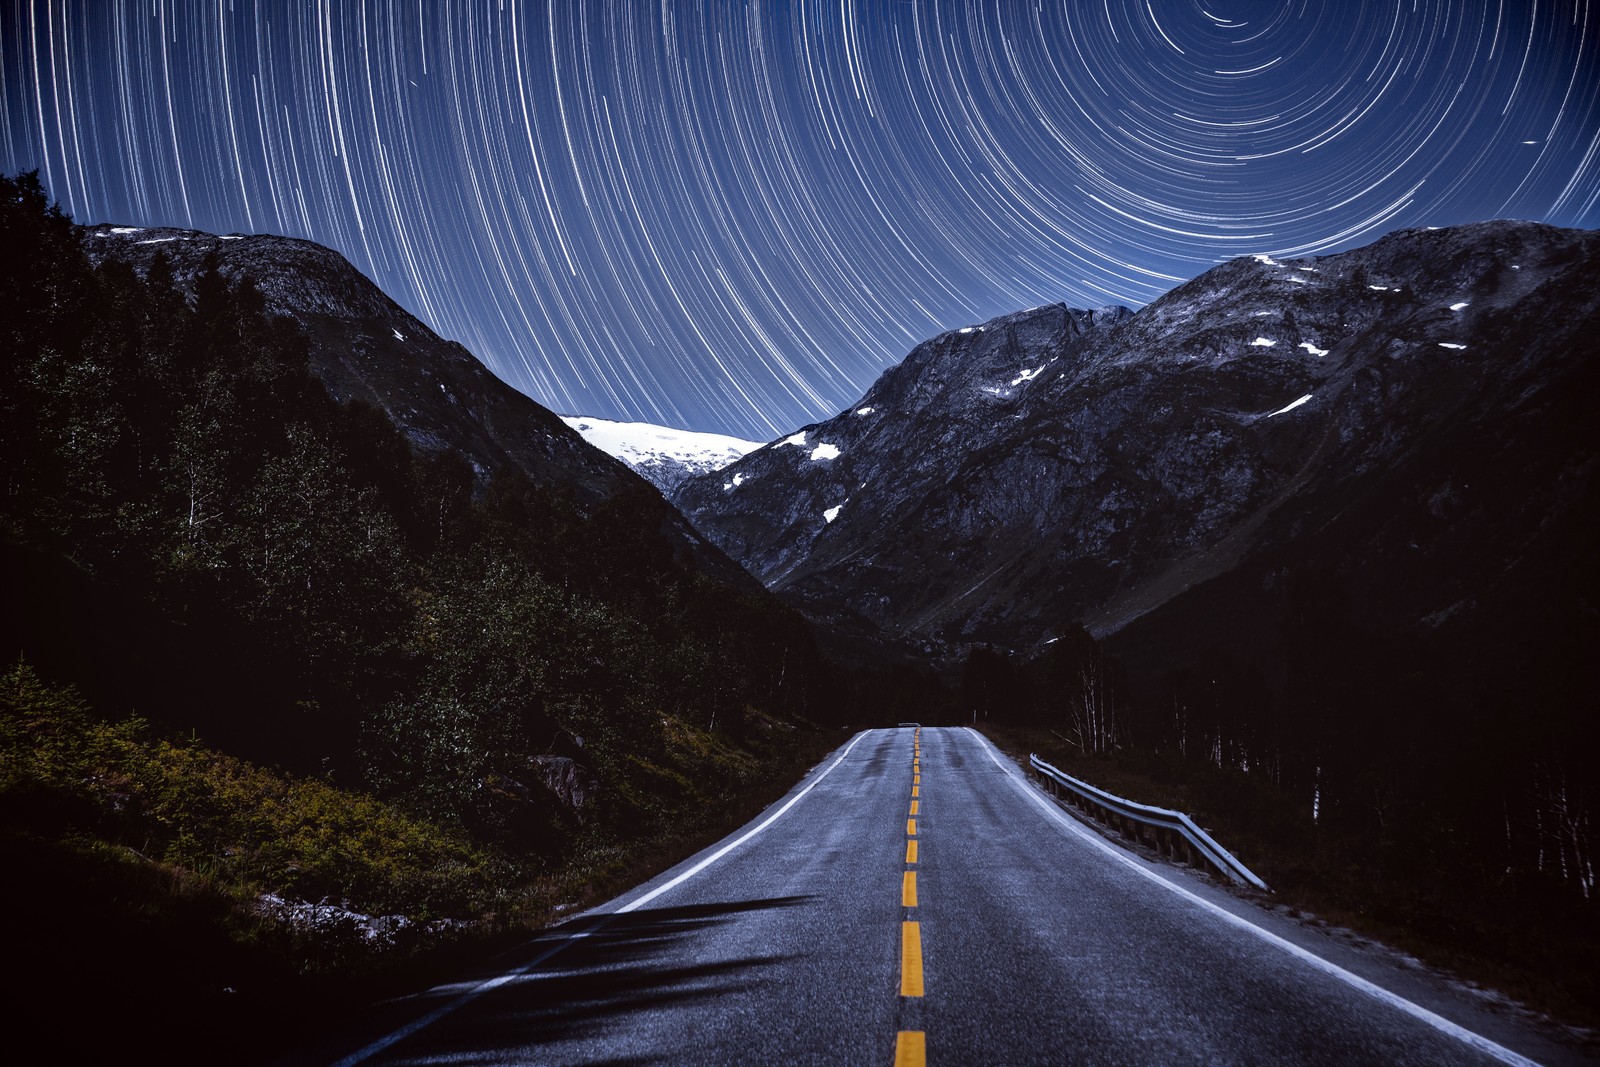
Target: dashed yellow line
{"points": [[910, 1049], [916, 790], [910, 960], [911, 828], [908, 890], [914, 804], [916, 779], [911, 852]]}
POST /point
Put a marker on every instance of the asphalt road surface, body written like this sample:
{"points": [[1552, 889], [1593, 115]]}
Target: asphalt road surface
{"points": [[915, 899]]}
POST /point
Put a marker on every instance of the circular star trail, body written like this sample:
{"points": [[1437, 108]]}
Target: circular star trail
{"points": [[733, 216]]}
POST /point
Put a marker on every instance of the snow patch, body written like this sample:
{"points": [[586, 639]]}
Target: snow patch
{"points": [[832, 513], [1458, 307], [863, 411], [641, 443], [1379, 288], [398, 336], [1313, 349], [164, 240], [1026, 376], [824, 451], [738, 480], [1447, 344], [1299, 281], [1263, 342], [232, 237], [794, 439], [969, 329], [1291, 406], [127, 229], [1262, 257]]}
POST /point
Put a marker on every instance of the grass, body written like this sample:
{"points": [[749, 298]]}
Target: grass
{"points": [[136, 863], [1533, 943]]}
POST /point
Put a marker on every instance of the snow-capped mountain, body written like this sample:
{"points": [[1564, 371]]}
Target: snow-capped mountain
{"points": [[1403, 415], [661, 454]]}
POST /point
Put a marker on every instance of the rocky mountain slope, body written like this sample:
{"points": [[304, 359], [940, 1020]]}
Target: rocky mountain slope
{"points": [[1057, 465], [662, 455], [366, 347]]}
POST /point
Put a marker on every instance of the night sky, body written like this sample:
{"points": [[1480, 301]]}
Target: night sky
{"points": [[733, 216]]}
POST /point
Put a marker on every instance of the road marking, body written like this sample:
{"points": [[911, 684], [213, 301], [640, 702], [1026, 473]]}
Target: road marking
{"points": [[1333, 970], [914, 804], [910, 960], [368, 1051], [916, 779], [908, 890], [916, 790], [910, 1049], [911, 852], [911, 828]]}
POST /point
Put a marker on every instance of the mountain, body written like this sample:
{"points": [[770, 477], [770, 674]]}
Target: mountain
{"points": [[1414, 403], [366, 347], [662, 455]]}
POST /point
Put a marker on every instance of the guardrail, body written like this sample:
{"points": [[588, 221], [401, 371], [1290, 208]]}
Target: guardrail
{"points": [[1169, 832]]}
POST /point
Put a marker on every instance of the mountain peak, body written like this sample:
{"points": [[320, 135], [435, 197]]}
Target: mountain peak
{"points": [[662, 455], [1057, 465]]}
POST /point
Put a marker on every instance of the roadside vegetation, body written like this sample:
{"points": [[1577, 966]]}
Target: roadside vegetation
{"points": [[258, 644], [1387, 852]]}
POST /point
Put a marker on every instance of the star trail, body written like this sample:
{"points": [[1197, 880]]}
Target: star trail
{"points": [[732, 216]]}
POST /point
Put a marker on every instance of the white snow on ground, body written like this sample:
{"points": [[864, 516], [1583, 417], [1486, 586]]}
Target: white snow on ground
{"points": [[863, 411], [824, 451], [641, 442], [1262, 342], [1447, 344], [832, 513], [1299, 281], [234, 237], [1262, 257], [398, 336], [1291, 406], [1458, 307], [794, 439], [1379, 288], [157, 241], [1313, 349], [1026, 376], [969, 329], [126, 229], [738, 480]]}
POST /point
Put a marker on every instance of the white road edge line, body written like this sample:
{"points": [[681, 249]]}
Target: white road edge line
{"points": [[486, 986], [1355, 981]]}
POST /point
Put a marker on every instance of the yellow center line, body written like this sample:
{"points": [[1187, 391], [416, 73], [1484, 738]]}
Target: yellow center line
{"points": [[916, 779], [910, 1049], [911, 852], [916, 790], [910, 960], [908, 890], [914, 805], [911, 828]]}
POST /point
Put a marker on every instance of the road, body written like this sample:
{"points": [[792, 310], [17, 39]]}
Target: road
{"points": [[916, 900]]}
